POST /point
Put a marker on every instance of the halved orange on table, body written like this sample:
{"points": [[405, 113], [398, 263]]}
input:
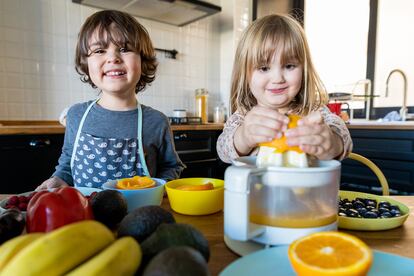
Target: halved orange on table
{"points": [[135, 183], [330, 253]]}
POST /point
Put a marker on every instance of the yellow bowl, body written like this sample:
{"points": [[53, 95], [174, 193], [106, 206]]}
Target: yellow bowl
{"points": [[366, 224], [201, 202]]}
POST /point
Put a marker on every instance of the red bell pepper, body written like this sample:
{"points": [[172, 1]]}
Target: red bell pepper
{"points": [[49, 210]]}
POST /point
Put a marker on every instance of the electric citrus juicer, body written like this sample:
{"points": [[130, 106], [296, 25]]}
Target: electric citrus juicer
{"points": [[275, 205]]}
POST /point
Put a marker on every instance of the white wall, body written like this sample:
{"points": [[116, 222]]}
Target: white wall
{"points": [[37, 75]]}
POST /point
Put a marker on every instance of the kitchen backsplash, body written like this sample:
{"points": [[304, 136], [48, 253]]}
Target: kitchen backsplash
{"points": [[37, 75]]}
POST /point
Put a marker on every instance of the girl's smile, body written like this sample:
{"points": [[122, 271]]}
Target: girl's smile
{"points": [[275, 85], [277, 90]]}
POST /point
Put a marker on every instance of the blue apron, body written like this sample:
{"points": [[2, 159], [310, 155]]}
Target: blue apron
{"points": [[96, 160]]}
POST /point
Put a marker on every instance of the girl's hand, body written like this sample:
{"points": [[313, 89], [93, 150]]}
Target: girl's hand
{"points": [[314, 137], [261, 124], [53, 182]]}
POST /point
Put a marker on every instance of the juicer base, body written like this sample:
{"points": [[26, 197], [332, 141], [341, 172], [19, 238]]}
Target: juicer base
{"points": [[280, 236]]}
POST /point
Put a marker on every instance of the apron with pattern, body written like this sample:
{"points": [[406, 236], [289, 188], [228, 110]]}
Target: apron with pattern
{"points": [[96, 160]]}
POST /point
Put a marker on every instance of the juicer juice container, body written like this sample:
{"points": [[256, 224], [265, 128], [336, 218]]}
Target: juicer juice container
{"points": [[277, 205]]}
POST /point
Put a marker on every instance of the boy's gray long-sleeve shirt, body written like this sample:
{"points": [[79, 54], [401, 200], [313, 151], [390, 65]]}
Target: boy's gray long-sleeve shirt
{"points": [[160, 155]]}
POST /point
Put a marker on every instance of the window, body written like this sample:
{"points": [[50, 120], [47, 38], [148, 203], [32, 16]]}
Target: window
{"points": [[337, 32], [394, 49]]}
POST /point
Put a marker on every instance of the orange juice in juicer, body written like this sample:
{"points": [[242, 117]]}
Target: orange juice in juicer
{"points": [[276, 205]]}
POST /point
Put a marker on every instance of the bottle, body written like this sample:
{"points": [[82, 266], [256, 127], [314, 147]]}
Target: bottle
{"points": [[201, 96]]}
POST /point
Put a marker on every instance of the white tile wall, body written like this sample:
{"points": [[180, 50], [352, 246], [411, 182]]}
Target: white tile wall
{"points": [[37, 75]]}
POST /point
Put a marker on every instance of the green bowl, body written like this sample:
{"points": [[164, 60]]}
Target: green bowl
{"points": [[365, 224]]}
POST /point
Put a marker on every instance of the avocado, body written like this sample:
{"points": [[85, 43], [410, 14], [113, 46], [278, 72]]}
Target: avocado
{"points": [[12, 223], [109, 207], [141, 222], [170, 235], [177, 261]]}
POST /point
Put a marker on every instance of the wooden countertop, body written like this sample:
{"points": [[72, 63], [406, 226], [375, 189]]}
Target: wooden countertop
{"points": [[398, 241], [408, 125], [53, 127]]}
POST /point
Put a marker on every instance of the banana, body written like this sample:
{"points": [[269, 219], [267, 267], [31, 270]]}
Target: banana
{"points": [[60, 250], [10, 248], [122, 257]]}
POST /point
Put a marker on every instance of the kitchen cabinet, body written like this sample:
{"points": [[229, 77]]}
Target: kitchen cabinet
{"points": [[392, 150], [197, 150], [27, 160]]}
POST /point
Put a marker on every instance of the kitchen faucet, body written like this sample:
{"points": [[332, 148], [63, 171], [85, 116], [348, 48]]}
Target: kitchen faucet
{"points": [[404, 110]]}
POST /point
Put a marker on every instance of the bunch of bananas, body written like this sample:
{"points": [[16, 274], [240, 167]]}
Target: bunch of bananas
{"points": [[81, 248]]}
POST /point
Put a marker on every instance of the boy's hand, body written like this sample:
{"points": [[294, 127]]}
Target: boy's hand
{"points": [[261, 124], [53, 182], [314, 137]]}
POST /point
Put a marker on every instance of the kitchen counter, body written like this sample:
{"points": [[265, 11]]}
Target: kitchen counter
{"points": [[53, 127], [398, 241], [364, 124]]}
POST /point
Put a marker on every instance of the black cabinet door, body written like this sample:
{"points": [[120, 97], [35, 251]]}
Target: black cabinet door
{"points": [[27, 160], [391, 150], [205, 168], [197, 150]]}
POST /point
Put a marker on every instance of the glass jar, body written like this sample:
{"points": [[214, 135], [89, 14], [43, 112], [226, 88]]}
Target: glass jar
{"points": [[201, 96], [219, 114]]}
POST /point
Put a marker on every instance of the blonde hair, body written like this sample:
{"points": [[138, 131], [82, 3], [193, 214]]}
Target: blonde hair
{"points": [[257, 46]]}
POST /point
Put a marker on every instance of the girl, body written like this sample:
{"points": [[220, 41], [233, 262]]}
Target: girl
{"points": [[114, 136], [273, 75]]}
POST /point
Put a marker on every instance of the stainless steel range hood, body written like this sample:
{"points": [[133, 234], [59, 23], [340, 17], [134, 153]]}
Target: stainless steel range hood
{"points": [[174, 12]]}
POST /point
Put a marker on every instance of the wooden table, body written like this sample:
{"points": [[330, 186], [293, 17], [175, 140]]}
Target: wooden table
{"points": [[398, 241]]}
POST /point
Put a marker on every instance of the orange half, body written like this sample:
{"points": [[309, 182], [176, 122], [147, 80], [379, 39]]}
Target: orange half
{"points": [[280, 144], [189, 187], [330, 253], [135, 183]]}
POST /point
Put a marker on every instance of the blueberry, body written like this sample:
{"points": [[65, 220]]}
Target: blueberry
{"points": [[395, 212], [384, 204], [394, 207], [352, 213], [341, 209], [383, 210], [386, 215], [362, 211], [348, 205], [370, 214], [358, 204]]}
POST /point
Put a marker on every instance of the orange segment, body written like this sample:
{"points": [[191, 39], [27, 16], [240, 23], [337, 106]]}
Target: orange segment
{"points": [[135, 183], [330, 253], [280, 144], [203, 187]]}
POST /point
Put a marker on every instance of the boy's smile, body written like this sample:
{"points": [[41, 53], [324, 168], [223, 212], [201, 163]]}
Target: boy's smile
{"points": [[114, 69]]}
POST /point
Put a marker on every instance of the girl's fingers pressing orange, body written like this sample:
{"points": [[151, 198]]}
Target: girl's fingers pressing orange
{"points": [[314, 117]]}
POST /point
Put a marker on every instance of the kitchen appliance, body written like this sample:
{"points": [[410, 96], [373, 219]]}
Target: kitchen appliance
{"points": [[174, 12], [277, 205]]}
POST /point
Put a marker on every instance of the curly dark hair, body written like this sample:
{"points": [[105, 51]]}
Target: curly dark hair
{"points": [[121, 29]]}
